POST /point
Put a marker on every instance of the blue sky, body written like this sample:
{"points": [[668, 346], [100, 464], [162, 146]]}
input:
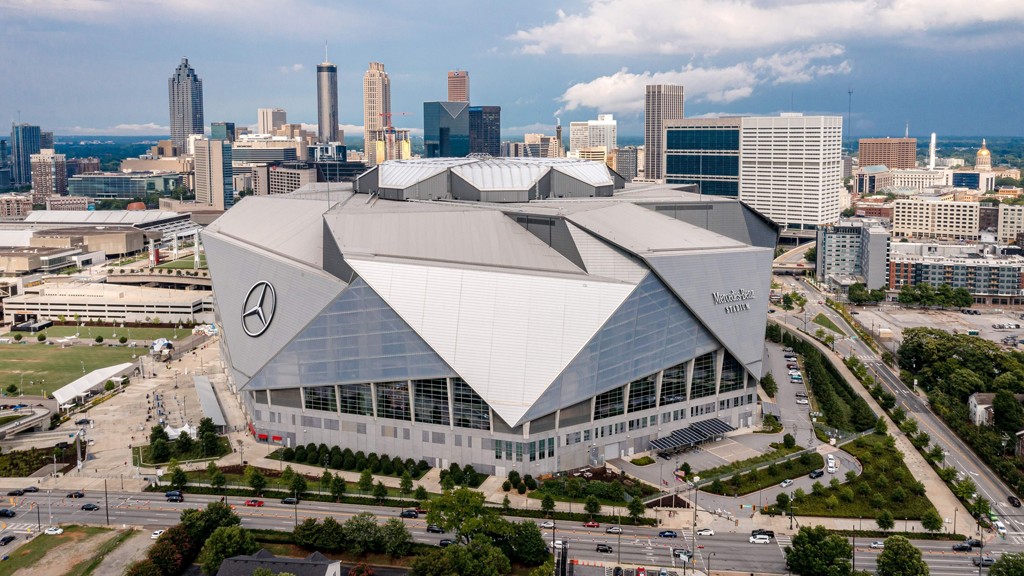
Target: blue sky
{"points": [[101, 66]]}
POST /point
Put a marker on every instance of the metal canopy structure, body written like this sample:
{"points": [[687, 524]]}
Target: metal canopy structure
{"points": [[696, 433]]}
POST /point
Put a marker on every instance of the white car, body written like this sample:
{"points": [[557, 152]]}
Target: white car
{"points": [[787, 483], [878, 545], [613, 530], [54, 531], [705, 532], [558, 544], [547, 524], [760, 539], [794, 372], [803, 401], [832, 469], [156, 534]]}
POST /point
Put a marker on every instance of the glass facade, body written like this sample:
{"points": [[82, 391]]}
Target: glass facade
{"points": [[393, 400], [631, 345], [321, 398], [642, 394], [468, 408], [358, 338], [123, 186], [673, 384], [707, 156], [703, 377], [485, 130], [732, 374], [703, 139], [431, 401], [608, 404], [445, 129], [356, 399]]}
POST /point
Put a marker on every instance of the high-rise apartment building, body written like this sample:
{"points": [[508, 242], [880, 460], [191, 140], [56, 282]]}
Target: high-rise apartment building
{"points": [[787, 167], [270, 119], [185, 100], [376, 109], [222, 131], [625, 162], [893, 153], [853, 251], [49, 175], [46, 140], [458, 86], [661, 102], [485, 130], [445, 129], [388, 143], [593, 133], [213, 184], [327, 102], [24, 143]]}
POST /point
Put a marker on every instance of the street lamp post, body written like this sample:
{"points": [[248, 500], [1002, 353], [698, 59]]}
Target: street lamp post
{"points": [[710, 556], [295, 506]]}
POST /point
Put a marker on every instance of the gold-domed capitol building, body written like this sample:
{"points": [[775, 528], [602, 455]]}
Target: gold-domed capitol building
{"points": [[983, 160]]}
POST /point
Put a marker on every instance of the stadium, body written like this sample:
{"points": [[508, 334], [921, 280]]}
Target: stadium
{"points": [[506, 313]]}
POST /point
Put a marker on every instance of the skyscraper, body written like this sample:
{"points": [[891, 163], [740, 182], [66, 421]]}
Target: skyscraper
{"points": [[46, 140], [445, 129], [593, 133], [222, 131], [24, 143], [185, 98], [327, 102], [485, 130], [49, 175], [662, 102], [214, 188], [376, 109], [458, 86], [270, 119], [893, 153]]}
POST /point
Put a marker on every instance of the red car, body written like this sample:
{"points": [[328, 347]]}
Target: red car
{"points": [[591, 524], [256, 503]]}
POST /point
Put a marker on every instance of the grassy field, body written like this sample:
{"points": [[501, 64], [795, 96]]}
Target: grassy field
{"points": [[89, 333], [38, 367], [187, 263], [823, 320], [11, 418], [31, 552]]}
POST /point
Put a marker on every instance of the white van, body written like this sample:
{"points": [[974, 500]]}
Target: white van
{"points": [[1000, 528], [760, 539]]}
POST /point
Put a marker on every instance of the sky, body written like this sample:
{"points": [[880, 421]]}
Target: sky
{"points": [[101, 66]]}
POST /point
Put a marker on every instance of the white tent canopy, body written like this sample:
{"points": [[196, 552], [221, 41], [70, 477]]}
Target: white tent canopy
{"points": [[92, 381]]}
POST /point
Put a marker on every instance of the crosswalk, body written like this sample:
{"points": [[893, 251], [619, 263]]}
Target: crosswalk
{"points": [[20, 527]]}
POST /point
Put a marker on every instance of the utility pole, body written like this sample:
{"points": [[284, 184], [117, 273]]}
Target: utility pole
{"points": [[106, 503]]}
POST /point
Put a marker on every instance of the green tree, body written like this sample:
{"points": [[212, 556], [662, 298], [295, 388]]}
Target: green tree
{"points": [[306, 532], [298, 484], [184, 443], [255, 480], [146, 567], [885, 520], [811, 254], [479, 558], [158, 433], [159, 451], [1008, 564], [421, 493], [226, 542], [769, 385], [209, 443], [338, 487], [461, 512], [1009, 416], [782, 501], [592, 505], [527, 543], [547, 505], [818, 552], [405, 485], [179, 479], [636, 509], [900, 558], [506, 505], [362, 533], [365, 483], [380, 491], [789, 441], [932, 522], [325, 480], [395, 539], [330, 535]]}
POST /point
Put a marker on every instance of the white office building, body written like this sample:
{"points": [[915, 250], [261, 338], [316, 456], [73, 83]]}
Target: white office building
{"points": [[594, 133]]}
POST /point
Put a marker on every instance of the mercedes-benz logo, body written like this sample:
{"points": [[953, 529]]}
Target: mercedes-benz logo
{"points": [[258, 308]]}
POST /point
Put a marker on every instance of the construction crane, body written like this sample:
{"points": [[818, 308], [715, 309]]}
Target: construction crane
{"points": [[388, 116]]}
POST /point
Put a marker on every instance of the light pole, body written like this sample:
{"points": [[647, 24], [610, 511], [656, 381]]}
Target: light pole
{"points": [[295, 506], [710, 556], [955, 512]]}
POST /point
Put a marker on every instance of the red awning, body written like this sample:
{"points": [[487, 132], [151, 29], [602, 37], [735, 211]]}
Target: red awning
{"points": [[262, 436], [275, 438]]}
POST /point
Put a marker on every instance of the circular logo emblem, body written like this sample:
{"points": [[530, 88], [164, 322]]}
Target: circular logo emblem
{"points": [[258, 308]]}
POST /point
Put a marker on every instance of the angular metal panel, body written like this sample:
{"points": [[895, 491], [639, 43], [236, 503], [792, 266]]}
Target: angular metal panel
{"points": [[649, 332], [301, 292], [357, 338], [741, 279]]}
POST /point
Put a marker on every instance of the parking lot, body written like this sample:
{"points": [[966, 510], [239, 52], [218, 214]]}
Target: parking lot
{"points": [[897, 319]]}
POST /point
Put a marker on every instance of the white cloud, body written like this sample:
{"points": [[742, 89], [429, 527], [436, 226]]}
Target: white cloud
{"points": [[290, 69], [535, 128], [701, 26], [148, 129], [623, 91]]}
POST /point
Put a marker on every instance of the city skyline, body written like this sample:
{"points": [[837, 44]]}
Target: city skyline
{"points": [[534, 60]]}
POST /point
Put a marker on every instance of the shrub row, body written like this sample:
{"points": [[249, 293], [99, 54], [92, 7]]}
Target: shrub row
{"points": [[346, 459]]}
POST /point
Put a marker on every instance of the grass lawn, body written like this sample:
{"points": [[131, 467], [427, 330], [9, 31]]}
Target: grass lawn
{"points": [[823, 320], [87, 568], [770, 475], [31, 552], [196, 454], [89, 333], [40, 367], [186, 263], [11, 418], [885, 484]]}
